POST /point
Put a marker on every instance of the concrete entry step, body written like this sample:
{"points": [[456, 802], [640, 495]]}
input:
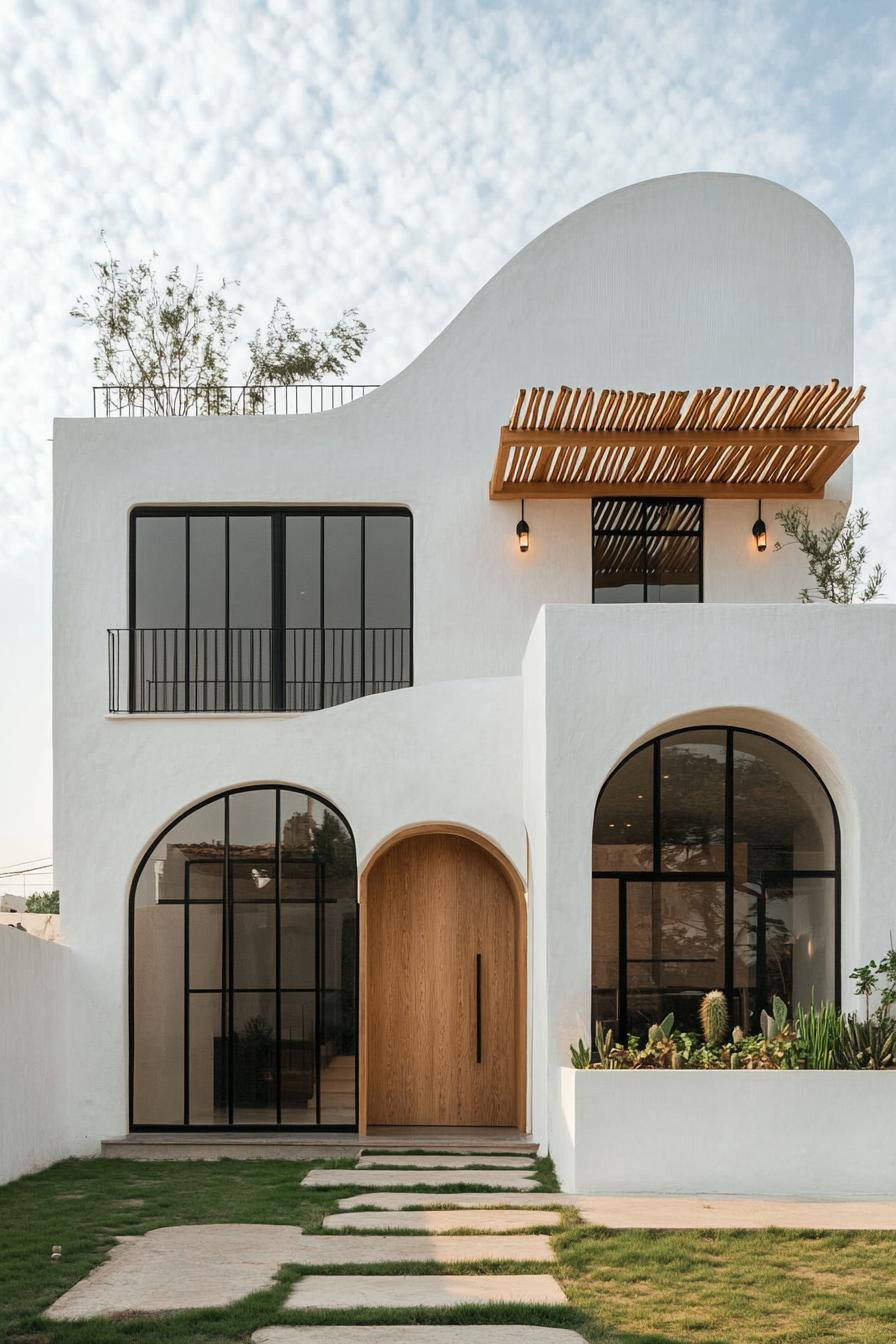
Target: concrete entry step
{"points": [[303, 1146], [443, 1220], [335, 1292], [445, 1161], [415, 1334], [387, 1180]]}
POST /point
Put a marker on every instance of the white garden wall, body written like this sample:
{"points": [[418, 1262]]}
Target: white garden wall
{"points": [[34, 980], [751, 1132]]}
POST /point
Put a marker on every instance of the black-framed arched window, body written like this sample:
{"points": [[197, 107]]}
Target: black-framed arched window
{"points": [[715, 865], [243, 967]]}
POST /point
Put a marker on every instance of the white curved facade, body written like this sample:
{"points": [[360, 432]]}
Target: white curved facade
{"points": [[525, 694]]}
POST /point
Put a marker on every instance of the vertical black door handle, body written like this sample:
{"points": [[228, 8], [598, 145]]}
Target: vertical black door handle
{"points": [[478, 1007]]}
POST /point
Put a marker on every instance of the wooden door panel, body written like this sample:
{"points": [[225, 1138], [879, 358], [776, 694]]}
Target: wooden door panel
{"points": [[433, 903]]}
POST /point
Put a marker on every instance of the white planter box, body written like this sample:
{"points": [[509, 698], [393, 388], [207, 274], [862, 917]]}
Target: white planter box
{"points": [[741, 1133]]}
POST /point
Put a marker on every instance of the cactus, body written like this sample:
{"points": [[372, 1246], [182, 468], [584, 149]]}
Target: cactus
{"points": [[734, 1062], [714, 1017], [604, 1043], [737, 1035]]}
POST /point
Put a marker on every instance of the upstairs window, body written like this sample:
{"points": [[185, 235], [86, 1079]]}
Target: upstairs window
{"points": [[647, 550], [267, 609]]}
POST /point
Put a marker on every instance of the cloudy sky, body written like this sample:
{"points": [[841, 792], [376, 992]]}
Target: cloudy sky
{"points": [[392, 156]]}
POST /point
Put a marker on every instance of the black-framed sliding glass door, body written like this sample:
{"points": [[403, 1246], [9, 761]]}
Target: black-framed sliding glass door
{"points": [[243, 986], [247, 609]]}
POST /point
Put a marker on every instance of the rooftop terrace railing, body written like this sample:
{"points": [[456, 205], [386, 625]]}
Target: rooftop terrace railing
{"points": [[146, 399]]}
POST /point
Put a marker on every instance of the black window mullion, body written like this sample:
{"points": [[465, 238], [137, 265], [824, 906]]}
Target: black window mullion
{"points": [[187, 993], [277, 652], [729, 866], [278, 1031], [363, 688], [317, 992], [186, 620], [622, 989], [761, 959], [228, 913], [657, 812], [323, 633]]}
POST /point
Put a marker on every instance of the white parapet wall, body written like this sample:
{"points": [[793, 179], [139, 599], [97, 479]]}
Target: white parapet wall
{"points": [[752, 1132], [33, 996]]}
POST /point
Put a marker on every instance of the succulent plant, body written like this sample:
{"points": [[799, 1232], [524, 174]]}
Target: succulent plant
{"points": [[661, 1031], [714, 1017], [774, 1024], [604, 1045], [580, 1055]]}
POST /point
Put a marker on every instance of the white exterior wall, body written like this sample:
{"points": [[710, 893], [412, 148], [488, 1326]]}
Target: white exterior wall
{"points": [[680, 282], [429, 754], [613, 677], [34, 997]]}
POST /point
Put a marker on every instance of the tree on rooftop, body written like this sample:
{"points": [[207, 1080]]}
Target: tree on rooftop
{"points": [[835, 556], [169, 339]]}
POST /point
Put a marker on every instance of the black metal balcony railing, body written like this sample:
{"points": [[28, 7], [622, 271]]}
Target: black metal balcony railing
{"points": [[252, 399], [209, 670]]}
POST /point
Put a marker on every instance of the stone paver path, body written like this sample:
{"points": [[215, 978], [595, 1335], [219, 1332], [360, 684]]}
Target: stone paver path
{"points": [[213, 1265], [443, 1220], [444, 1163], [210, 1265], [340, 1291], [376, 1179], [415, 1334]]}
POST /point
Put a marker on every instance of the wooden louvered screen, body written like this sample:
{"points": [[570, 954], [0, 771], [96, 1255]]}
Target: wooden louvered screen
{"points": [[715, 443]]}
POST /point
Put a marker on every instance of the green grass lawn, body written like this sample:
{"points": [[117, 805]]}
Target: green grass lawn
{"points": [[624, 1287]]}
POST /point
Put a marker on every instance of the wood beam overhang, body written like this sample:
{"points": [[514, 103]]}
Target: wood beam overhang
{"points": [[777, 442]]}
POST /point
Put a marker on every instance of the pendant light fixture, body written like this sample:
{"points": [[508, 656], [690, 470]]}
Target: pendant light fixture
{"points": [[759, 531], [522, 528]]}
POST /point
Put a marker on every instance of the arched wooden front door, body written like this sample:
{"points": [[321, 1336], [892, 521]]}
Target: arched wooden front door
{"points": [[442, 946]]}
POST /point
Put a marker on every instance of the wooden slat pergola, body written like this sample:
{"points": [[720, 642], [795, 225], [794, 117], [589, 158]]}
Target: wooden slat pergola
{"points": [[715, 443]]}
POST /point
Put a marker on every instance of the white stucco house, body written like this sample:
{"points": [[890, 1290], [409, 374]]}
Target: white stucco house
{"points": [[371, 801]]}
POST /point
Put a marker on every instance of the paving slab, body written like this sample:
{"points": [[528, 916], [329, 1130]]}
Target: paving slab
{"points": [[499, 1199], [443, 1161], [348, 1250], [172, 1268], [415, 1334], [443, 1220], [659, 1211], [329, 1292], [330, 1178]]}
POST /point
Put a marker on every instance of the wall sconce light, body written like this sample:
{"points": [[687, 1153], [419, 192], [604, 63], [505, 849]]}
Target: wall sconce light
{"points": [[759, 531], [522, 528]]}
